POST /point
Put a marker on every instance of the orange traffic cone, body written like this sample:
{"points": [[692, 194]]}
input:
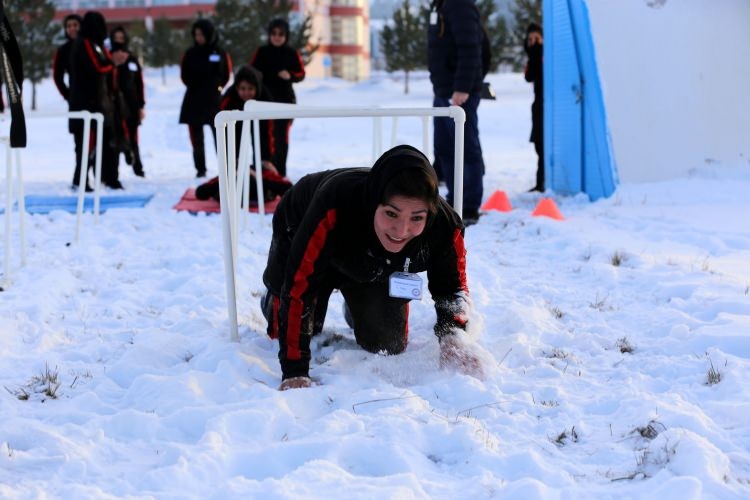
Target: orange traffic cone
{"points": [[548, 208], [498, 201]]}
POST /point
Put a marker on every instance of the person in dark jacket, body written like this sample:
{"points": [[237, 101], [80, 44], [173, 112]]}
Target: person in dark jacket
{"points": [[205, 70], [357, 230], [61, 69], [248, 85], [534, 46], [281, 66], [454, 42], [92, 88], [61, 58], [131, 95]]}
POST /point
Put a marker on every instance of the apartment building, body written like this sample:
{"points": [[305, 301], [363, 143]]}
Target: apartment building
{"points": [[340, 27]]}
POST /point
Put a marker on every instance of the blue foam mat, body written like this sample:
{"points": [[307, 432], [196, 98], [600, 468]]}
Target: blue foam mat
{"points": [[44, 204]]}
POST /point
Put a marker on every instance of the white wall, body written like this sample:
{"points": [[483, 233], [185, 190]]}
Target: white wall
{"points": [[676, 82]]}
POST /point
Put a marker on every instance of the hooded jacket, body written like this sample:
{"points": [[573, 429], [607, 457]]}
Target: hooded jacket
{"points": [[534, 73], [454, 47], [91, 69], [270, 60], [324, 237], [61, 59], [129, 78], [232, 100], [204, 70]]}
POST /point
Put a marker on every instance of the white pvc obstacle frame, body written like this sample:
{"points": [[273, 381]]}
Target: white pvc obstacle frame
{"points": [[230, 187], [87, 117]]}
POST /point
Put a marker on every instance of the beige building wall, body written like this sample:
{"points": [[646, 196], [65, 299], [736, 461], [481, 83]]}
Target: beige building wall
{"points": [[342, 29]]}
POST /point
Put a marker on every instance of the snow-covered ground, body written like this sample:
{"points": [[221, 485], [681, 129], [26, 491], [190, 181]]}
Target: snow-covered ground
{"points": [[599, 334]]}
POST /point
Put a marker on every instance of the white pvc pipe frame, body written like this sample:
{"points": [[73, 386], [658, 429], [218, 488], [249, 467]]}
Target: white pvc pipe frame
{"points": [[87, 117], [255, 111]]}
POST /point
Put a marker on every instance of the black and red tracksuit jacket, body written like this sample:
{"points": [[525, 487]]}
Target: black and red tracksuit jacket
{"points": [[270, 60], [323, 237], [231, 100]]}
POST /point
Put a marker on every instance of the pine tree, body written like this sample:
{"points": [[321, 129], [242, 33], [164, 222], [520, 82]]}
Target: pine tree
{"points": [[31, 21], [523, 12], [163, 46], [404, 42], [241, 25], [495, 25]]}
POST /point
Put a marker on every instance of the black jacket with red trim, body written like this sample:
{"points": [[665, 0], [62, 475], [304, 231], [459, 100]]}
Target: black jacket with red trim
{"points": [[270, 60], [91, 69], [130, 83], [232, 100], [323, 236]]}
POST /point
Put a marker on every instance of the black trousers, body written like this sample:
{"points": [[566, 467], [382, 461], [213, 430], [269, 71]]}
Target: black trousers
{"points": [[110, 171], [380, 322], [199, 146], [281, 144], [539, 147]]}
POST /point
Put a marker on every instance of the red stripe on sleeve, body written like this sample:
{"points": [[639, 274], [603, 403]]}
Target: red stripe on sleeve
{"points": [[101, 68], [301, 73], [458, 245], [305, 269]]}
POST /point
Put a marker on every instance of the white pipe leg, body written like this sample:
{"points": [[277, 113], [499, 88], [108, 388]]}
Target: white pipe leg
{"points": [[83, 174], [21, 207]]}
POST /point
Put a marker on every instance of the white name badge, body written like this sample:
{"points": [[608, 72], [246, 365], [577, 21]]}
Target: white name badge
{"points": [[433, 17], [214, 58], [132, 66], [404, 285]]}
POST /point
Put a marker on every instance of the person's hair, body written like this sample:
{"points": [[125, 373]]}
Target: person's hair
{"points": [[413, 183]]}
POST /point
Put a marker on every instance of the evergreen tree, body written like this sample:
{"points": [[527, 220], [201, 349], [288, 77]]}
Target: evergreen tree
{"points": [[502, 45], [241, 25], [523, 12], [163, 46], [404, 41], [31, 21]]}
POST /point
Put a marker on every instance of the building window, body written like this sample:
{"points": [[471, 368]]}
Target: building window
{"points": [[93, 4], [345, 30]]}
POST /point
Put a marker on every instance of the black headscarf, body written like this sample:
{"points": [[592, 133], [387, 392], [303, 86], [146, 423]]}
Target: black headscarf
{"points": [[115, 45], [391, 163], [93, 27], [279, 23], [208, 30]]}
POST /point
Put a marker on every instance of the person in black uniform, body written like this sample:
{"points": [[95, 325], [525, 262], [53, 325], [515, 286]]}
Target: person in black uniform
{"points": [[92, 89], [132, 98], [351, 229], [204, 70], [454, 48], [248, 85], [281, 66], [534, 46], [61, 68]]}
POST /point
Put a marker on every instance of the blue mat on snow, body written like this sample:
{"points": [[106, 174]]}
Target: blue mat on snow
{"points": [[42, 204]]}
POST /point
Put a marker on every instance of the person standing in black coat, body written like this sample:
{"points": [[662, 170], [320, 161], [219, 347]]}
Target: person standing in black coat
{"points": [[205, 70], [454, 43], [92, 88], [356, 230], [131, 95], [534, 46], [61, 68], [281, 66]]}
